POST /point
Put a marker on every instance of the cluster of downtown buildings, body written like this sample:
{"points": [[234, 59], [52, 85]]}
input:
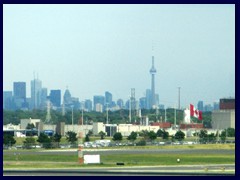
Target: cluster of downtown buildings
{"points": [[16, 99], [40, 99]]}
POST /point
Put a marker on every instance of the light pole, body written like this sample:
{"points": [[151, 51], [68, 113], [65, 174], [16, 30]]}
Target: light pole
{"points": [[179, 97], [72, 117], [82, 113], [107, 112]]}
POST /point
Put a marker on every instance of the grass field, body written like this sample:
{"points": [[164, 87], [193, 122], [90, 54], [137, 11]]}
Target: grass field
{"points": [[71, 161]]}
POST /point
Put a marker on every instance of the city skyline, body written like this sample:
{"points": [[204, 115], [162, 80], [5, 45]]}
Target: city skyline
{"points": [[90, 53]]}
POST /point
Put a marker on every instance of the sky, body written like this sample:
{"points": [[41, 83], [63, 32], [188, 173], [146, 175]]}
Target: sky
{"points": [[90, 49]]}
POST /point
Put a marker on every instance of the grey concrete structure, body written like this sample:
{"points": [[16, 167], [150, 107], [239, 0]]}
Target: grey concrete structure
{"points": [[222, 119]]}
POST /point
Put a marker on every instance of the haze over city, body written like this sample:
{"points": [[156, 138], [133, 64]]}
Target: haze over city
{"points": [[96, 48]]}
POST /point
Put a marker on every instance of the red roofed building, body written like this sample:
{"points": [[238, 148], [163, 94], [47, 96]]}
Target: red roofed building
{"points": [[162, 124]]}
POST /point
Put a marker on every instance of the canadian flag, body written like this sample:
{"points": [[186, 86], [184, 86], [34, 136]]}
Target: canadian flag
{"points": [[195, 113]]}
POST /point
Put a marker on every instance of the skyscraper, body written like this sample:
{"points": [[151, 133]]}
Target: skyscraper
{"points": [[19, 90], [55, 97], [200, 105], [153, 96], [7, 100], [148, 98], [108, 99], [19, 94], [98, 100], [36, 87]]}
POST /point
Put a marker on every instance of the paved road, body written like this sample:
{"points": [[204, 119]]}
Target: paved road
{"points": [[128, 151], [221, 170]]}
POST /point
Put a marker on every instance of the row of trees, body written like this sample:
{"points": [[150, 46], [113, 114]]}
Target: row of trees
{"points": [[146, 136]]}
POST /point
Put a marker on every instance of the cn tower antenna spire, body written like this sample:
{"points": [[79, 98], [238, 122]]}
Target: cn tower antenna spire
{"points": [[153, 72]]}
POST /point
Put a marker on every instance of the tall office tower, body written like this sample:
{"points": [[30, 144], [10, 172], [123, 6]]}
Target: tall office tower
{"points": [[19, 94], [143, 103], [208, 107], [216, 106], [108, 99], [88, 105], [133, 100], [98, 100], [200, 105], [120, 103], [67, 98], [43, 98], [55, 98], [153, 96], [36, 87], [148, 98], [7, 100], [19, 90]]}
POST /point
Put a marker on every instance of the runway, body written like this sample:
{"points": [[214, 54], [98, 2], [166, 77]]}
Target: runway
{"points": [[193, 170], [128, 151]]}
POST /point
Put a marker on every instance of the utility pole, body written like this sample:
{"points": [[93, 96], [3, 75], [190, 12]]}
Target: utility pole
{"points": [[130, 113], [175, 118], [107, 112], [179, 97], [72, 118]]}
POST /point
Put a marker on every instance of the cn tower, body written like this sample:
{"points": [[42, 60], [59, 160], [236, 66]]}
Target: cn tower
{"points": [[153, 72]]}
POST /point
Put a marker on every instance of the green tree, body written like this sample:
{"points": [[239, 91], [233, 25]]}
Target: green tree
{"points": [[117, 136], [179, 135], [211, 138], [144, 134], [102, 134], [71, 137], [152, 135], [44, 140], [87, 139], [8, 139], [223, 136], [165, 134], [30, 126], [203, 136], [230, 132], [132, 137], [55, 139], [28, 142], [160, 133]]}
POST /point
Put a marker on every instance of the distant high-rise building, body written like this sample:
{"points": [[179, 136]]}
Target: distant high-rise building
{"points": [[36, 87], [19, 94], [76, 103], [88, 105], [19, 90], [148, 99], [7, 100], [120, 103], [108, 98], [43, 98], [67, 98], [99, 107], [98, 100], [55, 98], [153, 96], [161, 106], [216, 106], [200, 105], [208, 107], [143, 103]]}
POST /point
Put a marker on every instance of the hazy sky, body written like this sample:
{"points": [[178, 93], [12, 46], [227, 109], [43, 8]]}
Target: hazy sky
{"points": [[97, 48]]}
